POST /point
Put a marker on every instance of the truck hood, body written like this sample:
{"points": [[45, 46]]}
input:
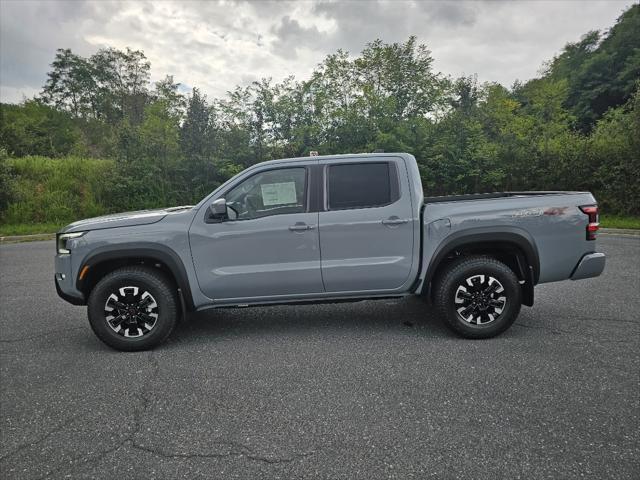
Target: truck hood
{"points": [[126, 219]]}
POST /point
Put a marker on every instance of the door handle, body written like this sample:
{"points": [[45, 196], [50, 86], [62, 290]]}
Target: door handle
{"points": [[391, 221], [301, 227]]}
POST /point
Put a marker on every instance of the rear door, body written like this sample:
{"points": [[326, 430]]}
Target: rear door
{"points": [[366, 227]]}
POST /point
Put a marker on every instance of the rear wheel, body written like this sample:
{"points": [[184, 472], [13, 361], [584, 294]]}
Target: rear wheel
{"points": [[133, 308], [478, 297]]}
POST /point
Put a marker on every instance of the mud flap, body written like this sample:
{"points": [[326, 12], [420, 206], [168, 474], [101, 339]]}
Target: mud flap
{"points": [[527, 288]]}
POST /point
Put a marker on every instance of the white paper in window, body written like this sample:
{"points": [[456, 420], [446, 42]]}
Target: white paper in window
{"points": [[278, 193]]}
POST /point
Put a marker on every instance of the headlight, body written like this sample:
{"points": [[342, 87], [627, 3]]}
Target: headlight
{"points": [[61, 241]]}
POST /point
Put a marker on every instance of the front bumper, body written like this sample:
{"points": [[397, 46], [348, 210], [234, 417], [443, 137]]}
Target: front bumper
{"points": [[591, 265], [72, 298], [64, 281]]}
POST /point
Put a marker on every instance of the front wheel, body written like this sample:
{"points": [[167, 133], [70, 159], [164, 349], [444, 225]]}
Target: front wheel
{"points": [[478, 297], [133, 308]]}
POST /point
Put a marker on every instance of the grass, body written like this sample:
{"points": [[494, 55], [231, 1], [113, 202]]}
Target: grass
{"points": [[28, 229], [619, 221]]}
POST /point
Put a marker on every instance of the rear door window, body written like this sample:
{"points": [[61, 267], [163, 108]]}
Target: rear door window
{"points": [[361, 185]]}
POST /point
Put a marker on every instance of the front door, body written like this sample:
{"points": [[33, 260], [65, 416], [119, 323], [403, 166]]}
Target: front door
{"points": [[366, 228], [269, 244]]}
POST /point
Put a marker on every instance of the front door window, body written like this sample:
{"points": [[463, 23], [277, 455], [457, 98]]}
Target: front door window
{"points": [[275, 192]]}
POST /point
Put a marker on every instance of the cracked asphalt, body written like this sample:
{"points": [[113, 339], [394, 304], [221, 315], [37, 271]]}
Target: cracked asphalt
{"points": [[360, 391]]}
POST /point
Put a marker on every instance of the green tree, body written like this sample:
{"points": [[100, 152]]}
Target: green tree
{"points": [[70, 85], [197, 130], [612, 159], [122, 84], [601, 74], [33, 128]]}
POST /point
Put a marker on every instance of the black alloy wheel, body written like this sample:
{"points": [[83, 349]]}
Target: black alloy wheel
{"points": [[131, 312], [480, 299]]}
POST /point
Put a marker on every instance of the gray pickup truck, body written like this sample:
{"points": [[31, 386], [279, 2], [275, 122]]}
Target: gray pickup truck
{"points": [[325, 229]]}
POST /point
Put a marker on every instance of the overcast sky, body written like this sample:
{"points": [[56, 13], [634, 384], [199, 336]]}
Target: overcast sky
{"points": [[217, 45]]}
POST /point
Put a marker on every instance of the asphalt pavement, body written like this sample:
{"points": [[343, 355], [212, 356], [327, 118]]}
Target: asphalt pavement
{"points": [[355, 390]]}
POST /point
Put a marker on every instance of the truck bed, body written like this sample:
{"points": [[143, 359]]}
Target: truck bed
{"points": [[552, 221]]}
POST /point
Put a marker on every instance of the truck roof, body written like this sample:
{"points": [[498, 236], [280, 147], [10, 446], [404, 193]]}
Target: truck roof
{"points": [[350, 156]]}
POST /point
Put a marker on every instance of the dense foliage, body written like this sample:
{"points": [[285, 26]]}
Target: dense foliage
{"points": [[577, 126], [49, 190]]}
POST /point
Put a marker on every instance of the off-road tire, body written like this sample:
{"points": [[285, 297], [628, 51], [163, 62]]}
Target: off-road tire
{"points": [[157, 287], [483, 271]]}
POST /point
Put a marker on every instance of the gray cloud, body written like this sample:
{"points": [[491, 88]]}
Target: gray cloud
{"points": [[450, 14], [290, 35], [217, 45]]}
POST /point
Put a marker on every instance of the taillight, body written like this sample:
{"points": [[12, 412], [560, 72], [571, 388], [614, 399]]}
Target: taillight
{"points": [[593, 225]]}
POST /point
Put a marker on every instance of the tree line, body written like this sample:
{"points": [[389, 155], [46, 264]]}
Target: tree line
{"points": [[575, 127]]}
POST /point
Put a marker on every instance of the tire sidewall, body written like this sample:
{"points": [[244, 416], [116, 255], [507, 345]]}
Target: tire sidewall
{"points": [[156, 285], [488, 267]]}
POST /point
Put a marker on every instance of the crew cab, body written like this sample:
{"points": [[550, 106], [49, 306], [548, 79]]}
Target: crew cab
{"points": [[324, 229]]}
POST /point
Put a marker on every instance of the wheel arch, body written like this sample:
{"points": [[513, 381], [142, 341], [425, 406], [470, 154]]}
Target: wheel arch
{"points": [[511, 245], [106, 259]]}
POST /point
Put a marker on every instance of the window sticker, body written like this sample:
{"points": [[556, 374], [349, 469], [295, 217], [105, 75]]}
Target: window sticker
{"points": [[279, 193]]}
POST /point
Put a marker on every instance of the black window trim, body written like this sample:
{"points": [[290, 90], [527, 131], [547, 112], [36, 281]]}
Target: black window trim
{"points": [[393, 175], [307, 199], [315, 192]]}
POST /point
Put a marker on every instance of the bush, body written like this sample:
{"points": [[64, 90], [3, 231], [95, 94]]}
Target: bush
{"points": [[55, 190], [6, 182]]}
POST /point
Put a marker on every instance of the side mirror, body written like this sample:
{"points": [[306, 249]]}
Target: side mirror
{"points": [[218, 209]]}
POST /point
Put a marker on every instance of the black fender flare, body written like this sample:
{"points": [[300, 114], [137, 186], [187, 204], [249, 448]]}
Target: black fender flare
{"points": [[518, 237], [148, 250]]}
